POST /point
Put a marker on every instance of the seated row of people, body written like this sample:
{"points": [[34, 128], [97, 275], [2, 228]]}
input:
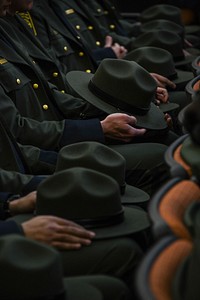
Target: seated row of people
{"points": [[63, 91]]}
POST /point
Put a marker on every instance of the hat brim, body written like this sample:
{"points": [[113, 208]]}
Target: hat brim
{"points": [[167, 107], [135, 220], [183, 62], [78, 82], [183, 77], [74, 289], [134, 195], [192, 29]]}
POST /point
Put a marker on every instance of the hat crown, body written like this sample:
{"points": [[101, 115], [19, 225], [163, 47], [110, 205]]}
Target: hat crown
{"points": [[83, 195], [154, 60], [162, 24], [29, 270], [136, 89], [95, 156], [160, 11], [162, 39]]}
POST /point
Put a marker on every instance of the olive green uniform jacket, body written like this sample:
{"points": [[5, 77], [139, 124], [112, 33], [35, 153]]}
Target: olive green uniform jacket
{"points": [[104, 14], [49, 39], [37, 112], [86, 26], [21, 166]]}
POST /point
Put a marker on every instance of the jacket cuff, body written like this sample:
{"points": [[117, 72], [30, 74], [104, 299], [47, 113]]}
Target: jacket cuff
{"points": [[10, 227], [82, 130], [102, 53], [33, 184]]}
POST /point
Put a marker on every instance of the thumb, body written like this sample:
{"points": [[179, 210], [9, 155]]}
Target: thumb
{"points": [[131, 120], [140, 131], [108, 41]]}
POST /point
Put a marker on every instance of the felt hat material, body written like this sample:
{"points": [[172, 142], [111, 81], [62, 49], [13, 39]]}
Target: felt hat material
{"points": [[120, 86]]}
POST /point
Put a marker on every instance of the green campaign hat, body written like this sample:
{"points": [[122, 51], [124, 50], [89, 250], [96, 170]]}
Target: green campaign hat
{"points": [[101, 158], [31, 271], [160, 61], [167, 40], [161, 11], [162, 24], [120, 86], [170, 13], [91, 199]]}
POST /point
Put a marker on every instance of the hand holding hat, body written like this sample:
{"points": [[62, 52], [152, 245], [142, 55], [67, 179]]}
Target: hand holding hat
{"points": [[91, 199], [120, 86]]}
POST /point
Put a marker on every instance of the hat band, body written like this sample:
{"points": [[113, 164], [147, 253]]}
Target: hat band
{"points": [[173, 76], [103, 221], [123, 188], [179, 58], [116, 102]]}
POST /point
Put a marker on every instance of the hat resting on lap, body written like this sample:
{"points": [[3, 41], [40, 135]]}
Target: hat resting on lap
{"points": [[160, 61], [101, 158], [120, 86], [167, 40], [91, 199], [31, 271]]}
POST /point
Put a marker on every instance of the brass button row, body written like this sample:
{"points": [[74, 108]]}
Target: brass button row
{"points": [[90, 27]]}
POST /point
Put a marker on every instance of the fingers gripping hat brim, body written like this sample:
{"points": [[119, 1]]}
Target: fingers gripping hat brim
{"points": [[135, 220], [78, 81]]}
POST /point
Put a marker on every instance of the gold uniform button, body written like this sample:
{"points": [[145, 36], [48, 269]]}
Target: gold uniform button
{"points": [[63, 92], [82, 115], [45, 106], [78, 27], [78, 37], [18, 81], [98, 10], [65, 48], [105, 12], [88, 71], [55, 74], [98, 43], [35, 86], [112, 26], [90, 27], [81, 54], [34, 62]]}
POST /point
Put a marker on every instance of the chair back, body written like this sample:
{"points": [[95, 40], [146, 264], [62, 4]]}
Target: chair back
{"points": [[156, 272]]}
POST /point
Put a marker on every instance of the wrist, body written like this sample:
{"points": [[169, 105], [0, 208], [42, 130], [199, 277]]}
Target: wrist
{"points": [[13, 205], [103, 126]]}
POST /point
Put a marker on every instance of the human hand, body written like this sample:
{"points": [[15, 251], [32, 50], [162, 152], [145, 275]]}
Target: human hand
{"points": [[163, 81], [161, 95], [120, 126], [186, 53], [188, 43], [169, 121], [120, 51], [23, 205], [57, 232]]}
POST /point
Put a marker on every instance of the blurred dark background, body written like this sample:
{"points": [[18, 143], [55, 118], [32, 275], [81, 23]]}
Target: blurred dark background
{"points": [[190, 8], [139, 5]]}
